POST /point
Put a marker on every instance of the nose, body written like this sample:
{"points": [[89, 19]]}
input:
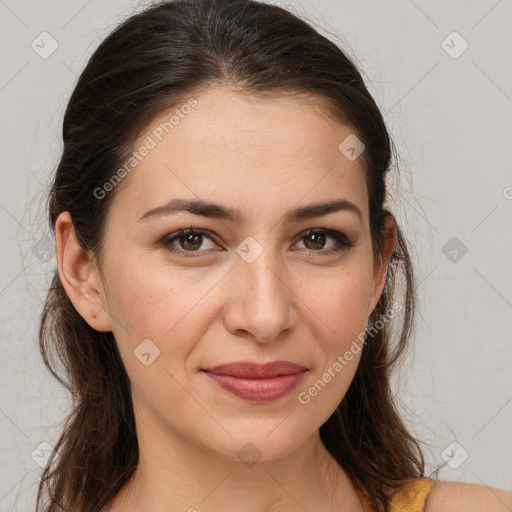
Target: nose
{"points": [[261, 303]]}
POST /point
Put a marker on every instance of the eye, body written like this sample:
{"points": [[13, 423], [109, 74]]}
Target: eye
{"points": [[316, 238], [188, 240]]}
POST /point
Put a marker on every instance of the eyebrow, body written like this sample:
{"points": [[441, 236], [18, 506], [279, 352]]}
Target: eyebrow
{"points": [[217, 211]]}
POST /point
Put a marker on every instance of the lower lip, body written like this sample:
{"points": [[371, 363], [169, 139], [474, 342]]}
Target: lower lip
{"points": [[258, 390]]}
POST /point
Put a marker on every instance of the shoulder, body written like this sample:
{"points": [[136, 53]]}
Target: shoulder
{"points": [[446, 496]]}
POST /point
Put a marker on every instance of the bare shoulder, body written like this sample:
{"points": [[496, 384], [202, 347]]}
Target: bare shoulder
{"points": [[447, 496]]}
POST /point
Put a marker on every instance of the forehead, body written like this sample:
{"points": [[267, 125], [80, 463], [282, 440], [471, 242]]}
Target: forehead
{"points": [[245, 152]]}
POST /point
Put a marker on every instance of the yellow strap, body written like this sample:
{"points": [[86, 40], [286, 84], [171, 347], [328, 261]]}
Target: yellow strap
{"points": [[410, 497]]}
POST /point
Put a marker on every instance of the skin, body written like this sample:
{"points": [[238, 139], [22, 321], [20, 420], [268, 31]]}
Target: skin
{"points": [[264, 157]]}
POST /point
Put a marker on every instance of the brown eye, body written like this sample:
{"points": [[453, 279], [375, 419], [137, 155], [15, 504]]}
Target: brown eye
{"points": [[315, 239], [190, 241]]}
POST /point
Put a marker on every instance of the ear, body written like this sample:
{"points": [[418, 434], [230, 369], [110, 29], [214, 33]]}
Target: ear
{"points": [[381, 262], [80, 276]]}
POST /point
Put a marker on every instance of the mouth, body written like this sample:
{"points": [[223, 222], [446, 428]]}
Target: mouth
{"points": [[257, 382]]}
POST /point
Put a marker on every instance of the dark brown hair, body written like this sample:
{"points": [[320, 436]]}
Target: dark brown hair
{"points": [[147, 64]]}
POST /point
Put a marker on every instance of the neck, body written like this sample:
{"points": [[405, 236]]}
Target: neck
{"points": [[181, 476]]}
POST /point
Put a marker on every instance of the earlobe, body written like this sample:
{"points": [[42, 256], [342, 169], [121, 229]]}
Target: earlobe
{"points": [[79, 275]]}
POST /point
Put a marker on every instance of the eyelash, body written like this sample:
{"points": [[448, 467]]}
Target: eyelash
{"points": [[343, 242]]}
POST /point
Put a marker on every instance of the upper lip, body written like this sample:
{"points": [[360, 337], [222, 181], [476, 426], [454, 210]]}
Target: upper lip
{"points": [[251, 370]]}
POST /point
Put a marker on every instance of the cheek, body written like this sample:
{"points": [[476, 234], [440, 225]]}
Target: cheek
{"points": [[340, 302], [170, 307], [157, 324], [339, 316], [148, 299]]}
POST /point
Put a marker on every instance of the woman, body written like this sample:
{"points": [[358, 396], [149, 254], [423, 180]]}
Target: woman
{"points": [[225, 293]]}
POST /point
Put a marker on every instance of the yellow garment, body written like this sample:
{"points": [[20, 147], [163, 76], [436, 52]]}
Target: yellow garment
{"points": [[410, 498]]}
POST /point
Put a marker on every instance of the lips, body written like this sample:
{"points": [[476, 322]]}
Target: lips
{"points": [[249, 370], [257, 382]]}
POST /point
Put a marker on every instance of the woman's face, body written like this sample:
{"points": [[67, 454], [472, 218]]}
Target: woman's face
{"points": [[253, 288]]}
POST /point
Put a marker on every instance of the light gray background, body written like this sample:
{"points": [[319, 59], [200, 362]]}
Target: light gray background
{"points": [[451, 120]]}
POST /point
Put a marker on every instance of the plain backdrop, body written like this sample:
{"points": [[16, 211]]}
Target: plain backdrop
{"points": [[441, 73]]}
